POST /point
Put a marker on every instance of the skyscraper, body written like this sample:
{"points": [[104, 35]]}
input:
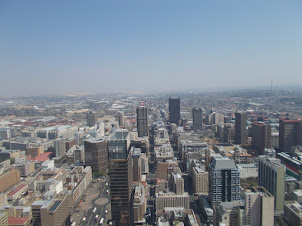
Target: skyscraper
{"points": [[224, 180], [290, 134], [91, 118], [174, 110], [137, 164], [197, 118], [121, 177], [259, 207], [142, 121], [96, 154], [240, 128], [59, 147], [120, 118], [261, 136], [271, 175]]}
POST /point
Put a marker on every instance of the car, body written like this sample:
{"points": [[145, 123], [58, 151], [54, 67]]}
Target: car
{"points": [[106, 211], [101, 221]]}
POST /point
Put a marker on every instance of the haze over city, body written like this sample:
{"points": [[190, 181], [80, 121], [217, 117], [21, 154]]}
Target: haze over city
{"points": [[63, 47]]}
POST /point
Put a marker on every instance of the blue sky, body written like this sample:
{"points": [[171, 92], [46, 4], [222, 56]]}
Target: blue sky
{"points": [[57, 47]]}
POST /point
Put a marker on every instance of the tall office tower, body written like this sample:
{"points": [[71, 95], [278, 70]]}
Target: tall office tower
{"points": [[120, 118], [137, 164], [121, 177], [59, 147], [240, 128], [224, 181], [261, 136], [142, 121], [259, 207], [178, 184], [271, 175], [290, 134], [218, 118], [197, 118], [96, 154], [91, 118], [174, 110]]}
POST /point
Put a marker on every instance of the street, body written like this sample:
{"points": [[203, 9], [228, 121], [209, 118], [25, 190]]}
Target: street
{"points": [[93, 207]]}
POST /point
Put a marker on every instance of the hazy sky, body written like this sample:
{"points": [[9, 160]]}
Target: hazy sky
{"points": [[55, 47]]}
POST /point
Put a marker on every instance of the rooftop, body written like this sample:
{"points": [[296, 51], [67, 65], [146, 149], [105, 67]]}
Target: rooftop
{"points": [[55, 205], [17, 220], [223, 163]]}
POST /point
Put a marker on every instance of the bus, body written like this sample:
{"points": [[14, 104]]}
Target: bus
{"points": [[102, 221], [84, 220], [74, 224], [94, 210]]}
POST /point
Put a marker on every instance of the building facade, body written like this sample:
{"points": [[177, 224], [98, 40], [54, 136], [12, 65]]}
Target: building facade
{"points": [[8, 179], [197, 118], [200, 181], [96, 154], [174, 110], [290, 134], [271, 175], [240, 128], [259, 207], [224, 180], [261, 136], [91, 118], [142, 121], [120, 118], [121, 178]]}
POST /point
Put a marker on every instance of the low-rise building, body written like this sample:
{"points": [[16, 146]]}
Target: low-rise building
{"points": [[9, 178], [139, 204], [247, 170], [293, 213], [170, 199], [17, 192]]}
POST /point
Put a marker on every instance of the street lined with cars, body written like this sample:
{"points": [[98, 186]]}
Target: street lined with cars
{"points": [[94, 206]]}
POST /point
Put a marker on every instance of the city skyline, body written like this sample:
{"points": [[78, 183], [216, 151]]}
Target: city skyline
{"points": [[56, 47]]}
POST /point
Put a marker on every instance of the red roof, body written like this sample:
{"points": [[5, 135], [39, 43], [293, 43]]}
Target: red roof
{"points": [[17, 220], [290, 120], [258, 124], [46, 154], [41, 158], [16, 190]]}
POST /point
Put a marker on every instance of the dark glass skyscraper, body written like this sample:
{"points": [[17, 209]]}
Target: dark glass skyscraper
{"points": [[174, 110], [290, 134], [240, 128], [121, 177], [142, 121], [91, 118], [197, 118], [96, 154]]}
